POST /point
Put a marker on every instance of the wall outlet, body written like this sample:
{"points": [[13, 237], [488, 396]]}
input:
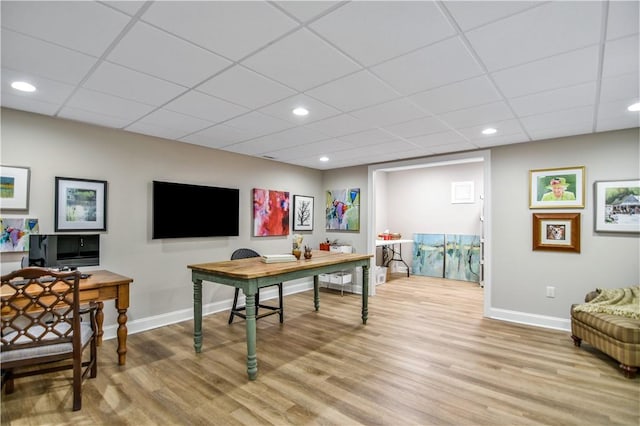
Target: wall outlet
{"points": [[551, 291]]}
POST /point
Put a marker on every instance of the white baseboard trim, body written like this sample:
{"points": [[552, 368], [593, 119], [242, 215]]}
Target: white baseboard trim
{"points": [[531, 319], [149, 323]]}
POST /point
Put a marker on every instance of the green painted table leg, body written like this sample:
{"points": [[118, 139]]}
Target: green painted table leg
{"points": [[197, 315], [252, 358], [316, 292], [365, 294]]}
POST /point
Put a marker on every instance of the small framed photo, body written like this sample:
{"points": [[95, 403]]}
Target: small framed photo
{"points": [[617, 206], [302, 213], [556, 188], [462, 192], [14, 188], [81, 205], [556, 231]]}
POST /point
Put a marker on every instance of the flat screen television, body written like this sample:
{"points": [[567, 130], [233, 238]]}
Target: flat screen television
{"points": [[182, 211], [69, 250]]}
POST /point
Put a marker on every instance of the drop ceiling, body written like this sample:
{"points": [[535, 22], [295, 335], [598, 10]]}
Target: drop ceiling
{"points": [[382, 80]]}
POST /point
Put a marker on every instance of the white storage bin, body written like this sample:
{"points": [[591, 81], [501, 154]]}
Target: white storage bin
{"points": [[381, 274], [341, 278]]}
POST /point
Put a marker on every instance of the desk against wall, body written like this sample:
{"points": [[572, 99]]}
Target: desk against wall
{"points": [[252, 274]]}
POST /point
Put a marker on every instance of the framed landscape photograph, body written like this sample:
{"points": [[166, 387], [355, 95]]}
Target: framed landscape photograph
{"points": [[556, 188], [80, 205], [302, 213], [14, 188], [617, 206], [556, 231]]}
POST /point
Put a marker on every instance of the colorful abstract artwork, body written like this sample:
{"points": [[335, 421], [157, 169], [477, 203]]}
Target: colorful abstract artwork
{"points": [[270, 213], [462, 257], [15, 233], [428, 255], [343, 209]]}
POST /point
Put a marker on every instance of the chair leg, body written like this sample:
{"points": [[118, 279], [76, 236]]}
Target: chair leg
{"points": [[77, 382], [94, 358], [281, 303], [235, 305], [7, 381], [257, 302]]}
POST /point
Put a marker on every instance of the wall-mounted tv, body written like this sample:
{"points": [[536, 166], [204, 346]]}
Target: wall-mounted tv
{"points": [[182, 211], [70, 250]]}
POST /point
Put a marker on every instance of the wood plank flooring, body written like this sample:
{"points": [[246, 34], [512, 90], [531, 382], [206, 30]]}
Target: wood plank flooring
{"points": [[425, 357]]}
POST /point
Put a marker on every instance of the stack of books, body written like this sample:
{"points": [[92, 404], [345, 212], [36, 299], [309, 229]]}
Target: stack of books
{"points": [[276, 258]]}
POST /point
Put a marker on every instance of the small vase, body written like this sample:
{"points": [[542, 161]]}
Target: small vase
{"points": [[296, 253], [307, 255]]}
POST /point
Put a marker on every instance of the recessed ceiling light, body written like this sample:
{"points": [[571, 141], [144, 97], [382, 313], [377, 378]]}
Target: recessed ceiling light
{"points": [[634, 107], [301, 111], [324, 159], [23, 86], [489, 131]]}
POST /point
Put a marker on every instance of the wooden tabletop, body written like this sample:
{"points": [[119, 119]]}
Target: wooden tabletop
{"points": [[254, 267]]}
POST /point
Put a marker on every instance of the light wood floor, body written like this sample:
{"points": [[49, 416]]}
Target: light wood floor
{"points": [[426, 357]]}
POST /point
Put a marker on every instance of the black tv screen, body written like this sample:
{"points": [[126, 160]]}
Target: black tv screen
{"points": [[71, 250], [182, 211]]}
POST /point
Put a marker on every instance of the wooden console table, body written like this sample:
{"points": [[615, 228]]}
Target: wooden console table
{"points": [[252, 274], [105, 285]]}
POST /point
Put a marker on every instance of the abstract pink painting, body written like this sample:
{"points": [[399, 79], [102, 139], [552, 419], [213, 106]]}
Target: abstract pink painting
{"points": [[270, 213]]}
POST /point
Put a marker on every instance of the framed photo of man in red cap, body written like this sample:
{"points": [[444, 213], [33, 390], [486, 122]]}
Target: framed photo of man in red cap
{"points": [[556, 188]]}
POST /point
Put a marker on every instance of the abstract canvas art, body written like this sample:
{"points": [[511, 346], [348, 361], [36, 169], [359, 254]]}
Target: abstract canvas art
{"points": [[15, 233], [270, 213], [428, 255], [343, 209], [462, 257]]}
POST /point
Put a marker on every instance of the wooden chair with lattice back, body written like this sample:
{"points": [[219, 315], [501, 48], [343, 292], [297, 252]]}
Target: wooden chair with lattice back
{"points": [[42, 328], [244, 253]]}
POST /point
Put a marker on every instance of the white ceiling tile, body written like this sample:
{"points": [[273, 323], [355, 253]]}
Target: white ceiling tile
{"points": [[216, 136], [504, 128], [283, 109], [302, 60], [163, 55], [354, 91], [623, 19], [206, 107], [307, 9], [471, 14], [308, 149], [339, 125], [107, 105], [479, 115], [255, 124], [614, 115], [437, 139], [453, 147], [49, 91], [369, 137], [130, 7], [568, 69], [168, 124], [576, 121], [464, 94], [230, 28], [22, 53], [555, 100], [128, 84], [372, 32], [418, 71], [10, 100], [621, 56], [498, 140], [421, 126], [48, 21], [393, 112], [245, 87], [285, 139], [550, 29], [624, 86]]}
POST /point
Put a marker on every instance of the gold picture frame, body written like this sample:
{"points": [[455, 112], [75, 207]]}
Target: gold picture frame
{"points": [[556, 232], [557, 188]]}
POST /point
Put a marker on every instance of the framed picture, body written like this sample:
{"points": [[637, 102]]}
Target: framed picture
{"points": [[556, 188], [556, 231], [461, 192], [15, 233], [343, 209], [270, 213], [14, 188], [617, 206], [302, 213], [81, 205]]}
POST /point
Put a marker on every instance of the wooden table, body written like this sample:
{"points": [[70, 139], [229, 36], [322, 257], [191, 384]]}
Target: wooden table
{"points": [[252, 274], [105, 285]]}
